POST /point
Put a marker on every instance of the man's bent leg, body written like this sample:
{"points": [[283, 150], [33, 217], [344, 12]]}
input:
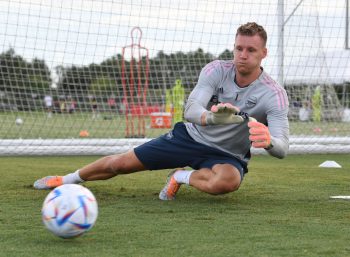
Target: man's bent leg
{"points": [[221, 179]]}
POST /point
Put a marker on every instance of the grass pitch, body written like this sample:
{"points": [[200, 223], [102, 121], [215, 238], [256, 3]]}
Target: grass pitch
{"points": [[282, 209]]}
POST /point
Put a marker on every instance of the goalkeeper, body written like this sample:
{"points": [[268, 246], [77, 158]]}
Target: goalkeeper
{"points": [[215, 142]]}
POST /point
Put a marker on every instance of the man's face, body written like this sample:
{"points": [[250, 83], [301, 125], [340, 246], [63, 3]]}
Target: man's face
{"points": [[248, 53]]}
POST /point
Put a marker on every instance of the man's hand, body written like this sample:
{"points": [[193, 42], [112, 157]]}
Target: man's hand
{"points": [[223, 113], [259, 135]]}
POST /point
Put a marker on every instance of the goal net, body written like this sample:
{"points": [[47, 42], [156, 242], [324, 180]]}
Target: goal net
{"points": [[101, 77]]}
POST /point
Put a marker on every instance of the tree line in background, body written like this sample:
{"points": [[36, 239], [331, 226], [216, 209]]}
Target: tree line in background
{"points": [[23, 84]]}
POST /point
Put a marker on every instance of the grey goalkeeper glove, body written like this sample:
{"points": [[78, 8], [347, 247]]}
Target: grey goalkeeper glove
{"points": [[223, 113]]}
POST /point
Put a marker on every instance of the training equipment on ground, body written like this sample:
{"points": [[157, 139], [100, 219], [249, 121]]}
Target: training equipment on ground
{"points": [[135, 79], [69, 211], [329, 164], [223, 113], [342, 197], [84, 133], [19, 121], [259, 135]]}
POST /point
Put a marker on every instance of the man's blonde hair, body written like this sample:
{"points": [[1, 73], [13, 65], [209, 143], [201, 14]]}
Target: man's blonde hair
{"points": [[252, 29]]}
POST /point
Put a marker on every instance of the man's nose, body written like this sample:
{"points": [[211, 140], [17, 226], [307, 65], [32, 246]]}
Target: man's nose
{"points": [[244, 54]]}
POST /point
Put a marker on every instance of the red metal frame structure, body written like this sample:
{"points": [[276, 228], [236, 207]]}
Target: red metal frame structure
{"points": [[135, 111]]}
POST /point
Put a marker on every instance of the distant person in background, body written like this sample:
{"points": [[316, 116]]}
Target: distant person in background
{"points": [[112, 103], [62, 104], [93, 103], [178, 100], [234, 105], [71, 105], [48, 105]]}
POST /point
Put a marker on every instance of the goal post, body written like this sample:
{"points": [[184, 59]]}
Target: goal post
{"points": [[69, 84]]}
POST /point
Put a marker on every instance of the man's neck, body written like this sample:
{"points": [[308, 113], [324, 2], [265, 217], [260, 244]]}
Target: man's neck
{"points": [[243, 80]]}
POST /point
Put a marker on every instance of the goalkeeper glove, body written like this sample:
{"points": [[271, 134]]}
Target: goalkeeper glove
{"points": [[259, 135], [223, 113]]}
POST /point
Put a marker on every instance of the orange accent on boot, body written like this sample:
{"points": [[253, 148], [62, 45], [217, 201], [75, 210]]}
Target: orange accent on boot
{"points": [[55, 181], [173, 187]]}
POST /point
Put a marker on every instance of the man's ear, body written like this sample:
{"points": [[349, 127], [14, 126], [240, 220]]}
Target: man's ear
{"points": [[264, 52]]}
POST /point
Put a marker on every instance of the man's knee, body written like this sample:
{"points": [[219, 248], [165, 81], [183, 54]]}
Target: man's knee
{"points": [[123, 163], [227, 180], [234, 185], [111, 164]]}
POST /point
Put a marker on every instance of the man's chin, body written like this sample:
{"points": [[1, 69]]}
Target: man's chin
{"points": [[243, 71]]}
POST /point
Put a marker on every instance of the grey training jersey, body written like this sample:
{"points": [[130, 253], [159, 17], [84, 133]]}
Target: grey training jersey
{"points": [[263, 99]]}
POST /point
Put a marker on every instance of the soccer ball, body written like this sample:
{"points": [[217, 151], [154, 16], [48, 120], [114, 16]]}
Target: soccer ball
{"points": [[69, 210], [19, 121]]}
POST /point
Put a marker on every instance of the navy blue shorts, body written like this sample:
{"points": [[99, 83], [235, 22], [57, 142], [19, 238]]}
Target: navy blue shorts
{"points": [[178, 149]]}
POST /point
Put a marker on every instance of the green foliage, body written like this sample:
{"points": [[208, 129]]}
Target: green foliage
{"points": [[20, 75], [282, 209], [103, 85], [38, 82], [343, 93], [226, 55], [23, 78]]}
